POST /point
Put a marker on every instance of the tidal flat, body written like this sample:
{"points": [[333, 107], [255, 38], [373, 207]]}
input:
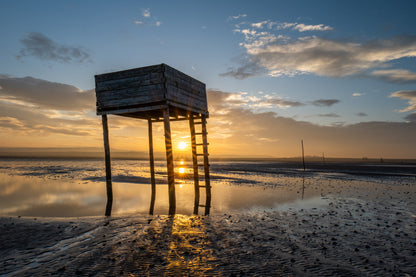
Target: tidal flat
{"points": [[267, 219]]}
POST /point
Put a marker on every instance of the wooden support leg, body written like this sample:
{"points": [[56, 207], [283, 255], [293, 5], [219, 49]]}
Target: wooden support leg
{"points": [[195, 163], [169, 160], [206, 165], [152, 168], [107, 167]]}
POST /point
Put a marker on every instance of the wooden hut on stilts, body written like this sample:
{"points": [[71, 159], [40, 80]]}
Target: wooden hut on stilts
{"points": [[157, 93]]}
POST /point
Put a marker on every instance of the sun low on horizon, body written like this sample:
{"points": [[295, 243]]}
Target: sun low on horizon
{"points": [[182, 145], [275, 74]]}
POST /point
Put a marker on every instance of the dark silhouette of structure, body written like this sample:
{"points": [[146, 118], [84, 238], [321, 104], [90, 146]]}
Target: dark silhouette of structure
{"points": [[157, 93]]}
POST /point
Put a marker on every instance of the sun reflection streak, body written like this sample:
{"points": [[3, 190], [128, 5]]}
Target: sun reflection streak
{"points": [[189, 249]]}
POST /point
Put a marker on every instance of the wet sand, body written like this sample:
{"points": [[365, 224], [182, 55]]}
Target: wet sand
{"points": [[359, 228]]}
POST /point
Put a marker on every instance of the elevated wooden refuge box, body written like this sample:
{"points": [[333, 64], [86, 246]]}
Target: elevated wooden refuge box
{"points": [[144, 92], [158, 93]]}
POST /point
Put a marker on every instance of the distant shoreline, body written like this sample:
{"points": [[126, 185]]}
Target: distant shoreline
{"points": [[120, 156]]}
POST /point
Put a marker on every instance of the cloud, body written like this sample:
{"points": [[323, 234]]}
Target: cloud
{"points": [[361, 114], [30, 106], [237, 16], [146, 13], [26, 121], [44, 94], [260, 25], [356, 94], [42, 47], [281, 103], [293, 26], [277, 55], [407, 95], [146, 18], [10, 123], [245, 71], [320, 27], [232, 126], [241, 128], [395, 75], [411, 117], [328, 115], [325, 102], [266, 101]]}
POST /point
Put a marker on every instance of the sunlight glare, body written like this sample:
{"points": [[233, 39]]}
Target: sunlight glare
{"points": [[181, 170], [182, 145]]}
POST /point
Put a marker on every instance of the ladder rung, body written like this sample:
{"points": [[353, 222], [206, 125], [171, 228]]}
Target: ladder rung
{"points": [[202, 133], [203, 165], [201, 144], [203, 154], [202, 205], [197, 122], [204, 186]]}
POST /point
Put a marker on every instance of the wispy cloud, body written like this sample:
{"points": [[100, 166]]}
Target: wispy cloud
{"points": [[356, 94], [146, 13], [407, 95], [146, 18], [40, 46], [301, 27], [361, 114], [329, 115], [396, 75], [270, 53], [237, 16], [281, 103], [304, 28], [325, 102], [265, 101]]}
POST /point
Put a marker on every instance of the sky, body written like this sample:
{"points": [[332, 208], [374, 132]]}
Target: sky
{"points": [[339, 75]]}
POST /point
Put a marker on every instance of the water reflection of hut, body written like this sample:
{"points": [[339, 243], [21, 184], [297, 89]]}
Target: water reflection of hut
{"points": [[157, 93]]}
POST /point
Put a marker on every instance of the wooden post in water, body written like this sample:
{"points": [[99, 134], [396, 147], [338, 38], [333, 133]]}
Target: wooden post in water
{"points": [[206, 164], [303, 156], [194, 163], [107, 167], [152, 167], [169, 161]]}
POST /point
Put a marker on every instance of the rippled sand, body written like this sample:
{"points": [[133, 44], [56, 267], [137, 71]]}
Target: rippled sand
{"points": [[348, 228]]}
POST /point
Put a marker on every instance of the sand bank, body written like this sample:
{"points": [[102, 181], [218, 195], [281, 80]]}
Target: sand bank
{"points": [[365, 235], [361, 226]]}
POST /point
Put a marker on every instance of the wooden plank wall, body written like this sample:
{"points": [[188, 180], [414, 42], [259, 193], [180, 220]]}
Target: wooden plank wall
{"points": [[149, 86], [185, 90], [120, 90]]}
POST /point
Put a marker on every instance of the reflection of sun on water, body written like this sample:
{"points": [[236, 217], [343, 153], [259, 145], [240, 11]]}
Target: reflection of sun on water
{"points": [[189, 249], [181, 170]]}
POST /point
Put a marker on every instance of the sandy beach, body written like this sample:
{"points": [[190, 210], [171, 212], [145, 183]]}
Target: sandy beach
{"points": [[357, 228]]}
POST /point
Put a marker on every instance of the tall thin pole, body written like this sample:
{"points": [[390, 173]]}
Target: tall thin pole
{"points": [[194, 163], [109, 184], [303, 156], [152, 167], [169, 161]]}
